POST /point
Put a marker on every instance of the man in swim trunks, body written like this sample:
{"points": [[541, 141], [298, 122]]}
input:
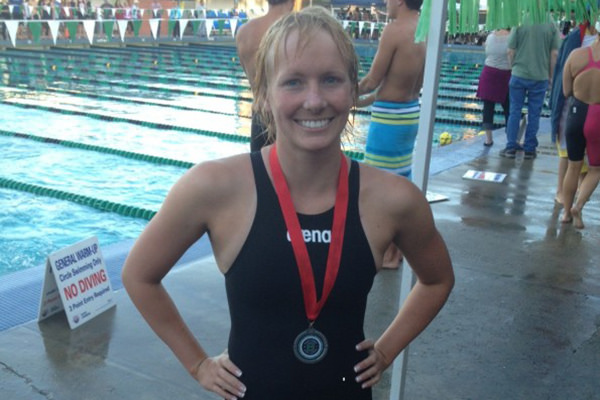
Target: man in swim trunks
{"points": [[392, 86], [581, 83], [247, 40]]}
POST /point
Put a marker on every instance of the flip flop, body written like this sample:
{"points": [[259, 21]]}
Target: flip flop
{"points": [[490, 144]]}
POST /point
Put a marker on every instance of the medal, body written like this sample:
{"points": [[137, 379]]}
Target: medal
{"points": [[310, 346]]}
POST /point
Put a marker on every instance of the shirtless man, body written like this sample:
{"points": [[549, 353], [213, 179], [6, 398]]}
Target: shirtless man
{"points": [[581, 84], [247, 40], [393, 85]]}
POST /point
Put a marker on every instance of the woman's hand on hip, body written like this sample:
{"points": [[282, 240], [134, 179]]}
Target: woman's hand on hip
{"points": [[370, 369], [220, 375]]}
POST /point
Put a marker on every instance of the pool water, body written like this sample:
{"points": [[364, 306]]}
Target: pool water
{"points": [[35, 226], [121, 125]]}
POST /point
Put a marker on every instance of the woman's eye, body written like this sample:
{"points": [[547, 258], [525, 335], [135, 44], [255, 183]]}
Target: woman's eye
{"points": [[291, 83], [332, 80]]}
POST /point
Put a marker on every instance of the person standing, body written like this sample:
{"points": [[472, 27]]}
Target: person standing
{"points": [[582, 36], [532, 52], [157, 11], [247, 42], [581, 84], [493, 81], [297, 303], [392, 86]]}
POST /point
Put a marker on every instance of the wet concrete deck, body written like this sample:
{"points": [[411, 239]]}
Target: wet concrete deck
{"points": [[522, 322]]}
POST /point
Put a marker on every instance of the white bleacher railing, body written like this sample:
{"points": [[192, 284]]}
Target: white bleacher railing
{"points": [[71, 24], [47, 25]]}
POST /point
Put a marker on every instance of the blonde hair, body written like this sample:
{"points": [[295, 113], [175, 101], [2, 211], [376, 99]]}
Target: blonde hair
{"points": [[307, 23]]}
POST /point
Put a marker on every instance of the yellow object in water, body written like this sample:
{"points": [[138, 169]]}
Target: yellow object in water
{"points": [[445, 138]]}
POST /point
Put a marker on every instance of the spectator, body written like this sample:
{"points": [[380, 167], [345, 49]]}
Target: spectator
{"points": [[532, 52], [493, 81], [5, 15], [157, 13]]}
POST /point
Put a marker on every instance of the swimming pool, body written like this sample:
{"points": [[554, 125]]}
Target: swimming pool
{"points": [[93, 138]]}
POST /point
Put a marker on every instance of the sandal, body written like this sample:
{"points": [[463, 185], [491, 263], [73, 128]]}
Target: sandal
{"points": [[490, 144]]}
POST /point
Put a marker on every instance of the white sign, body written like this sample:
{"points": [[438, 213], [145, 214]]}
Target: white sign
{"points": [[435, 197], [484, 176], [76, 281]]}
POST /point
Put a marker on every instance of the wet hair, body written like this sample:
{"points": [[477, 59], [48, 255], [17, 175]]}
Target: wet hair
{"points": [[307, 23], [414, 4]]}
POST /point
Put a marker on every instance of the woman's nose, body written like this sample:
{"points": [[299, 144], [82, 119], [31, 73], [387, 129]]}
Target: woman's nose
{"points": [[314, 98]]}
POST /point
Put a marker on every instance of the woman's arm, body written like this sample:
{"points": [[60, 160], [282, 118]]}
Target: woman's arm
{"points": [[183, 218], [427, 255], [567, 81]]}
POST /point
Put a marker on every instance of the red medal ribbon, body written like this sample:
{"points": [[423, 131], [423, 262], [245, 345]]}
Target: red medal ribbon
{"points": [[307, 279]]}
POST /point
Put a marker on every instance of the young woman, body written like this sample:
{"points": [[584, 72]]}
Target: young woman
{"points": [[581, 84], [299, 231]]}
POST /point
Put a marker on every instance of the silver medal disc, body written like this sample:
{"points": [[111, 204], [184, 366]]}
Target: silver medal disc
{"points": [[310, 346]]}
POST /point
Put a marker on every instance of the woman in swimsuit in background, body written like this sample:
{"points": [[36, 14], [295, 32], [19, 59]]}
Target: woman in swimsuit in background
{"points": [[581, 84]]}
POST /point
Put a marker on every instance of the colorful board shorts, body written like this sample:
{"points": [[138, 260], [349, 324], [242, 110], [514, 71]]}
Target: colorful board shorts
{"points": [[392, 134]]}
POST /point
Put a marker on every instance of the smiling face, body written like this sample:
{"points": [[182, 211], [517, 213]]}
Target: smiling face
{"points": [[310, 92], [304, 65]]}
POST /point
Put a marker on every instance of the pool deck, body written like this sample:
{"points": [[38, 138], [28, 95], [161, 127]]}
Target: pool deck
{"points": [[522, 322]]}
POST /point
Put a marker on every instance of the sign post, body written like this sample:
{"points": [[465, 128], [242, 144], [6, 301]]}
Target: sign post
{"points": [[77, 282]]}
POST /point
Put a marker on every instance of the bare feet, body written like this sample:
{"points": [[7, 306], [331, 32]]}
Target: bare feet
{"points": [[567, 218], [577, 221], [558, 199]]}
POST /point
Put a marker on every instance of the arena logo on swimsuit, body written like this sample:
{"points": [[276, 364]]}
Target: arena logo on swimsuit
{"points": [[314, 236]]}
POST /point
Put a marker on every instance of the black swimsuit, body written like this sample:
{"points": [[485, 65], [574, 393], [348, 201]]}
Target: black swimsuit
{"points": [[267, 308]]}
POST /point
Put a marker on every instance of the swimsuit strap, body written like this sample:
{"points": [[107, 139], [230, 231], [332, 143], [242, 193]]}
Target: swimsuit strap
{"points": [[593, 63]]}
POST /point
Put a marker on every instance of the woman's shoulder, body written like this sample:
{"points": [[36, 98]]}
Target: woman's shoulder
{"points": [[380, 188], [579, 57], [220, 177]]}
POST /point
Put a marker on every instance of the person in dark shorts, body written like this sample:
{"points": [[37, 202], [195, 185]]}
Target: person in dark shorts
{"points": [[581, 83]]}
